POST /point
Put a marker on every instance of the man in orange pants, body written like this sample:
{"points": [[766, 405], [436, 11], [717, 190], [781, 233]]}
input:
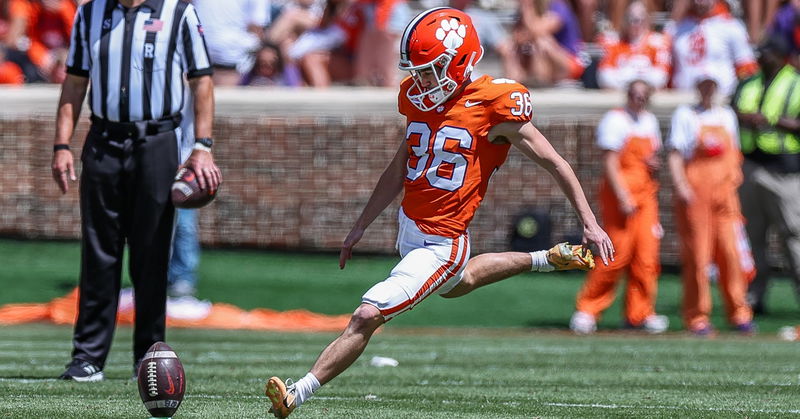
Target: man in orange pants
{"points": [[630, 138], [706, 168]]}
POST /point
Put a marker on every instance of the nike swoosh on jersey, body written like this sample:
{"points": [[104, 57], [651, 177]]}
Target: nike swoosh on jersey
{"points": [[469, 104]]}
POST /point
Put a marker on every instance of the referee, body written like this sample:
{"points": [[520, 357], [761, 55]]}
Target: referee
{"points": [[134, 54]]}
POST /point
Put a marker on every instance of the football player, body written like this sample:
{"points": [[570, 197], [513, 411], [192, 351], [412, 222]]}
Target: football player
{"points": [[458, 133]]}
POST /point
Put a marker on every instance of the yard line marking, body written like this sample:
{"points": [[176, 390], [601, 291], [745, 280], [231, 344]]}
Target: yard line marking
{"points": [[707, 409]]}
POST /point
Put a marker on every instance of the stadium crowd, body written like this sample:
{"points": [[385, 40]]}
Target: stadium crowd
{"points": [[317, 43]]}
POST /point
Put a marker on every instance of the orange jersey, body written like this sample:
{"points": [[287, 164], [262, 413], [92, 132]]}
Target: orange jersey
{"points": [[450, 156], [623, 62]]}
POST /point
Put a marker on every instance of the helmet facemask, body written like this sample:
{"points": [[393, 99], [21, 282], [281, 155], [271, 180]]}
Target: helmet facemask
{"points": [[441, 89]]}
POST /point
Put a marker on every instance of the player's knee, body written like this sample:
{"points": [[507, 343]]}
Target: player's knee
{"points": [[366, 318]]}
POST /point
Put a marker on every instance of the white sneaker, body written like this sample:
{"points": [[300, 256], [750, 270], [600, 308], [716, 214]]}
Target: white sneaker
{"points": [[582, 323], [188, 308], [656, 323]]}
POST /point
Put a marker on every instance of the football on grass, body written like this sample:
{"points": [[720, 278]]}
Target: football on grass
{"points": [[186, 192], [161, 380]]}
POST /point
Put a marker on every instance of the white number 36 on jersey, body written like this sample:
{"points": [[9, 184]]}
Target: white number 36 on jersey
{"points": [[523, 103]]}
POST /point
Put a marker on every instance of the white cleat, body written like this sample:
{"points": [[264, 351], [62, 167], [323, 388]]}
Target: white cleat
{"points": [[656, 323], [582, 323]]}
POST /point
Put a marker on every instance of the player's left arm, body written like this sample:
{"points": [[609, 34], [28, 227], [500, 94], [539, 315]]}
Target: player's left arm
{"points": [[531, 142]]}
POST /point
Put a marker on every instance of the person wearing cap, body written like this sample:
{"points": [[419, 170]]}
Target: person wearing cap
{"points": [[768, 108], [705, 166]]}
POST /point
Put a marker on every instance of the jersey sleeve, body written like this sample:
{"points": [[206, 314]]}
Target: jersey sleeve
{"points": [[743, 58], [510, 102], [195, 54], [681, 137], [78, 55], [611, 132]]}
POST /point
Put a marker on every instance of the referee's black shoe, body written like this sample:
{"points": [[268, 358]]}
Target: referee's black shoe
{"points": [[82, 371]]}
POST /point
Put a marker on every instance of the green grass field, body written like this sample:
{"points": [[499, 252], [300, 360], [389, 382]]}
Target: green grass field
{"points": [[500, 352]]}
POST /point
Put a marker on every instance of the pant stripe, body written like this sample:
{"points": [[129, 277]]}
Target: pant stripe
{"points": [[431, 281]]}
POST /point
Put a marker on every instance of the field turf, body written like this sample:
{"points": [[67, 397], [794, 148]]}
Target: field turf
{"points": [[501, 352]]}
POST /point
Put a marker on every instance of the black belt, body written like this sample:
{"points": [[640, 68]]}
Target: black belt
{"points": [[135, 129]]}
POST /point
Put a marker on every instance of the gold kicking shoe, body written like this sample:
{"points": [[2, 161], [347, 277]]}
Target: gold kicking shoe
{"points": [[282, 398], [564, 256]]}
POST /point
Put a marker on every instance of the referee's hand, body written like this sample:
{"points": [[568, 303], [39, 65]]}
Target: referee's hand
{"points": [[62, 167], [208, 174]]}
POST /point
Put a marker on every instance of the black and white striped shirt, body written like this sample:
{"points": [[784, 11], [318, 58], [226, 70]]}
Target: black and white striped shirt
{"points": [[135, 59]]}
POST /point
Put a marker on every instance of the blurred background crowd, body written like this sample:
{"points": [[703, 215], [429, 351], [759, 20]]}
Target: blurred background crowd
{"points": [[317, 43]]}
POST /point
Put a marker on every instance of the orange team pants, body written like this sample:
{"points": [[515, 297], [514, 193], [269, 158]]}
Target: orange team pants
{"points": [[711, 231], [636, 241]]}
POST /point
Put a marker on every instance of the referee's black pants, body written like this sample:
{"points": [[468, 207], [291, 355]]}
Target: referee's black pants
{"points": [[124, 198]]}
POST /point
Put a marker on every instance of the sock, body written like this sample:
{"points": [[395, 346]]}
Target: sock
{"points": [[539, 262], [304, 388]]}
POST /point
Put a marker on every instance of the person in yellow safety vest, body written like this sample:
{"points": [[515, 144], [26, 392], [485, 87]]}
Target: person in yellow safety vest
{"points": [[768, 108]]}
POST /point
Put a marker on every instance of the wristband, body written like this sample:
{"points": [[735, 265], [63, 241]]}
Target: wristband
{"points": [[60, 147], [198, 146], [206, 141]]}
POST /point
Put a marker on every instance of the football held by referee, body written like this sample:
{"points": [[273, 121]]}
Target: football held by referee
{"points": [[132, 55]]}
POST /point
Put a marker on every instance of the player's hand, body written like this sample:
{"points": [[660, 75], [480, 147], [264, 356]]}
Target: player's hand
{"points": [[627, 207], [63, 167], [208, 174], [653, 163], [593, 235], [347, 247]]}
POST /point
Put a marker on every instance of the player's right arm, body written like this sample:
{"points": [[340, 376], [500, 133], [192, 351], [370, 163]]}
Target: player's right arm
{"points": [[73, 91], [532, 143], [388, 187]]}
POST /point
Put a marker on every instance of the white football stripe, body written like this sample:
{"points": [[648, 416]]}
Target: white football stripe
{"points": [[169, 403], [160, 354]]}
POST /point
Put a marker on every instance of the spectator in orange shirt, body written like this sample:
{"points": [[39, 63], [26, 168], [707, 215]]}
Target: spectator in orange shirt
{"points": [[10, 73], [636, 54], [41, 29]]}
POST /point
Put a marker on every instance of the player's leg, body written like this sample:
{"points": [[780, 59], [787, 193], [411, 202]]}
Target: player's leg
{"points": [[640, 295], [342, 352], [599, 290], [429, 264], [758, 208], [732, 280], [334, 359], [694, 228], [489, 268]]}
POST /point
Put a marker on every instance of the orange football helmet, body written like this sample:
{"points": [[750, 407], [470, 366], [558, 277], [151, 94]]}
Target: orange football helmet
{"points": [[440, 47]]}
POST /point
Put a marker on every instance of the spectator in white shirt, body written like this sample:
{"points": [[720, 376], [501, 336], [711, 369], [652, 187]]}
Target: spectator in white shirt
{"points": [[233, 31], [710, 38]]}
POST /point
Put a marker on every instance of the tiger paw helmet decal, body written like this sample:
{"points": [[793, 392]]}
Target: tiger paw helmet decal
{"points": [[451, 33]]}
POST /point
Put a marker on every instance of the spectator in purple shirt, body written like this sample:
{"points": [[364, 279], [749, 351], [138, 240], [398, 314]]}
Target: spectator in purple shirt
{"points": [[549, 39], [786, 25]]}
